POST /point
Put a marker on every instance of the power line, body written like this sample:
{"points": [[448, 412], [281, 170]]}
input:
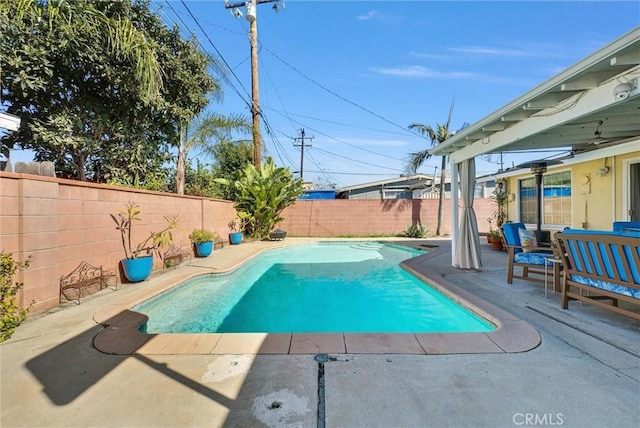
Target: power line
{"points": [[358, 161], [337, 123], [251, 9], [214, 62], [328, 177], [277, 145], [219, 54], [337, 95], [353, 173], [286, 115], [342, 141]]}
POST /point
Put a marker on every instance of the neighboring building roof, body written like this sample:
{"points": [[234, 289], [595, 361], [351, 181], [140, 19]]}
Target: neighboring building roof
{"points": [[597, 97], [417, 180]]}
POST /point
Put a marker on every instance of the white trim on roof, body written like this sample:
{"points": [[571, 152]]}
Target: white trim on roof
{"points": [[620, 149], [581, 92], [387, 181]]}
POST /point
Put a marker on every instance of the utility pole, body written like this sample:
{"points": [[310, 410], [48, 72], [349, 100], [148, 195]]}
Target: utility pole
{"points": [[253, 41], [302, 145]]}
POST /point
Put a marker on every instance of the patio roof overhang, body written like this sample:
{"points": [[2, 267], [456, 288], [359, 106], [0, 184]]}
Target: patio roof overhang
{"points": [[599, 93]]}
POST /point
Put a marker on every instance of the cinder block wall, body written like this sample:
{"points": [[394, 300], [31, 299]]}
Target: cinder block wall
{"points": [[360, 217], [61, 222]]}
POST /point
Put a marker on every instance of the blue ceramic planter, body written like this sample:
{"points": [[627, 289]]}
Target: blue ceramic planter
{"points": [[204, 249], [139, 269], [235, 238]]}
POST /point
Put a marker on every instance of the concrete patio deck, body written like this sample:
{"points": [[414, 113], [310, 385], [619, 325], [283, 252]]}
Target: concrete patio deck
{"points": [[584, 371]]}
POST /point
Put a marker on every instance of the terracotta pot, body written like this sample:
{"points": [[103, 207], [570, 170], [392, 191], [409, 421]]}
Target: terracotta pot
{"points": [[496, 243]]}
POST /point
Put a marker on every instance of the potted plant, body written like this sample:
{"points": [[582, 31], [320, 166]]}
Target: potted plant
{"points": [[235, 232], [138, 261], [499, 197], [495, 238], [490, 221], [202, 239]]}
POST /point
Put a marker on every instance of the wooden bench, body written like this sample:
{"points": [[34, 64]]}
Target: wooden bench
{"points": [[86, 278], [601, 265]]}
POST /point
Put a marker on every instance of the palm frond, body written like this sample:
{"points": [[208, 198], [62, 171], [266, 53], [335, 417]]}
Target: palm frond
{"points": [[126, 41], [418, 158], [453, 103], [425, 130], [213, 128]]}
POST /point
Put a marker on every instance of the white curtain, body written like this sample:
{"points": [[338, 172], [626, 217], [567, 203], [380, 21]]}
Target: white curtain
{"points": [[467, 253]]}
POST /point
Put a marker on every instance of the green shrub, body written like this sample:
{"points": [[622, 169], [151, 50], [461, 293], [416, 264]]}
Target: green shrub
{"points": [[12, 315], [198, 236], [415, 230], [261, 196]]}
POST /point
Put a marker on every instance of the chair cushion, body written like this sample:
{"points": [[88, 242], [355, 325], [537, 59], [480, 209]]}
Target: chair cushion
{"points": [[620, 289], [527, 239], [539, 259], [510, 233]]}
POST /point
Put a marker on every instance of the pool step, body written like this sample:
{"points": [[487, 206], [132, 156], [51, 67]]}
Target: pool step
{"points": [[367, 246]]}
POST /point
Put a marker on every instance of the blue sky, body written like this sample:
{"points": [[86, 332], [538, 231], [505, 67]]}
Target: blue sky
{"points": [[354, 74]]}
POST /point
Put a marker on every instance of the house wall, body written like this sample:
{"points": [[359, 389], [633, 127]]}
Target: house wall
{"points": [[592, 196], [61, 222], [597, 198]]}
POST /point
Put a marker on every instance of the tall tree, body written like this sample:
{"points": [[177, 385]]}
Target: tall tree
{"points": [[437, 135], [230, 160], [75, 73], [204, 134], [56, 74]]}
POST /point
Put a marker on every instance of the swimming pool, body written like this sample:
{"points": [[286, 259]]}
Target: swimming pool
{"points": [[312, 288]]}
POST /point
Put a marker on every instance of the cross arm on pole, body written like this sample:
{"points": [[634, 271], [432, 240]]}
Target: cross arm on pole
{"points": [[228, 5]]}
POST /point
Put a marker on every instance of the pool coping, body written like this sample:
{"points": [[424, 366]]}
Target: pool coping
{"points": [[121, 334]]}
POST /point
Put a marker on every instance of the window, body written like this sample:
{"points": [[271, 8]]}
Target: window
{"points": [[556, 199], [478, 190]]}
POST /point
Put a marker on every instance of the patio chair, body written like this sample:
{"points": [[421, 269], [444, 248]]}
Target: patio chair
{"points": [[530, 257], [626, 226]]}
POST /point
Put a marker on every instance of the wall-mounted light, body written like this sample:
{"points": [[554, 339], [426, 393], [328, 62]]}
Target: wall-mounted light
{"points": [[601, 172]]}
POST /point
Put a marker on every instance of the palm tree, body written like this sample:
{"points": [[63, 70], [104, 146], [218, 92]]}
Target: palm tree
{"points": [[208, 130], [437, 136]]}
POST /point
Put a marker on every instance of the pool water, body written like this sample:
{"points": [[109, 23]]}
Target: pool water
{"points": [[312, 288]]}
